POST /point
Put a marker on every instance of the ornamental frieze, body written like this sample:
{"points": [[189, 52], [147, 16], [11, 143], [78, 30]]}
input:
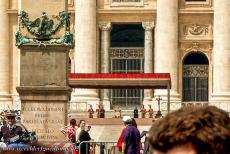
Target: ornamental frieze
{"points": [[127, 53], [195, 70]]}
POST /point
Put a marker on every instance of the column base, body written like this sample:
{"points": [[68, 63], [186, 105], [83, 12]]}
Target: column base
{"points": [[106, 104], [9, 102], [82, 98], [221, 100]]}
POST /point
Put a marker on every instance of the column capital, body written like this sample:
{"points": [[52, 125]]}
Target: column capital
{"points": [[105, 25], [148, 25]]}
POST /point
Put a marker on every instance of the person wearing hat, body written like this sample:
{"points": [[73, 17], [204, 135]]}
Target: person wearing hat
{"points": [[131, 139], [10, 133]]}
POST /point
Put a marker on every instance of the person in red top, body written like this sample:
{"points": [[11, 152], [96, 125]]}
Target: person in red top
{"points": [[119, 141], [70, 131]]}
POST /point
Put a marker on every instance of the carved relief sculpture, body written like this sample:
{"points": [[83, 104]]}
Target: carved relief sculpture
{"points": [[43, 28], [196, 30]]}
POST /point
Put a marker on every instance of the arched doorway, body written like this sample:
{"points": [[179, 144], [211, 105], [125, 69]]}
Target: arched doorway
{"points": [[195, 77], [126, 56]]}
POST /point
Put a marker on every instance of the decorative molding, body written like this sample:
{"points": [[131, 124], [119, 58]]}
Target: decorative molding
{"points": [[196, 46], [148, 25], [121, 3], [195, 29], [195, 70], [105, 25], [204, 47], [127, 53], [66, 40], [206, 3]]}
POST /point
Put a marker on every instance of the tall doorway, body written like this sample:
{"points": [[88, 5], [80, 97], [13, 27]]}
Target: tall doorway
{"points": [[195, 77], [126, 56]]}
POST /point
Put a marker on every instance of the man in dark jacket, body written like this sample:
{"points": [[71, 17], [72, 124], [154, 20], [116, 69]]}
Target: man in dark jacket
{"points": [[10, 133]]}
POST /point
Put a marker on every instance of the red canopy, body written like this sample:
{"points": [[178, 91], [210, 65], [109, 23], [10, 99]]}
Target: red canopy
{"points": [[126, 81], [111, 81]]}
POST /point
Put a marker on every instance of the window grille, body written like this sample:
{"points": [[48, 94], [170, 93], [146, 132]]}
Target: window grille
{"points": [[126, 60], [195, 86]]}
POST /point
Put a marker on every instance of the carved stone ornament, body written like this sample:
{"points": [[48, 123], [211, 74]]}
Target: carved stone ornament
{"points": [[148, 25], [130, 53], [43, 29], [105, 26], [195, 29]]}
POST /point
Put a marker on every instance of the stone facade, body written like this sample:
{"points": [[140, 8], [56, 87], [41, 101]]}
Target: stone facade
{"points": [[176, 30]]}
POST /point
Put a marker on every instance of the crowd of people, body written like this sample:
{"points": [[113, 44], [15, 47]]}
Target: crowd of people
{"points": [[78, 133], [189, 130]]}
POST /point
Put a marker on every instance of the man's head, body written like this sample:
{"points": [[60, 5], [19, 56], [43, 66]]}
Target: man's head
{"points": [[11, 118], [82, 124], [87, 128], [203, 130], [127, 120]]}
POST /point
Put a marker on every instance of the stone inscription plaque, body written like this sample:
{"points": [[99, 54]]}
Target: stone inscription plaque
{"points": [[45, 119]]}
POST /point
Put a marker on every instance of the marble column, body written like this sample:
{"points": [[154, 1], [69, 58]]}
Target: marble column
{"points": [[105, 49], [166, 43], [5, 98], [221, 55], [85, 51], [148, 57]]}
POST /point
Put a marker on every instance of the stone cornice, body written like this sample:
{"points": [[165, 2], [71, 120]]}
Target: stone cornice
{"points": [[125, 11], [196, 11]]}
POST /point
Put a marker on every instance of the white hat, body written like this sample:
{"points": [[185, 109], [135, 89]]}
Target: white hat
{"points": [[126, 119]]}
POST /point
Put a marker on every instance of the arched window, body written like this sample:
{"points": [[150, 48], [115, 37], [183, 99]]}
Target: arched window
{"points": [[195, 77]]}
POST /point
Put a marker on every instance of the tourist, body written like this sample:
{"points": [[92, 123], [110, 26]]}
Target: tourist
{"points": [[84, 136], [70, 131], [192, 130], [81, 126], [131, 139], [146, 149]]}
